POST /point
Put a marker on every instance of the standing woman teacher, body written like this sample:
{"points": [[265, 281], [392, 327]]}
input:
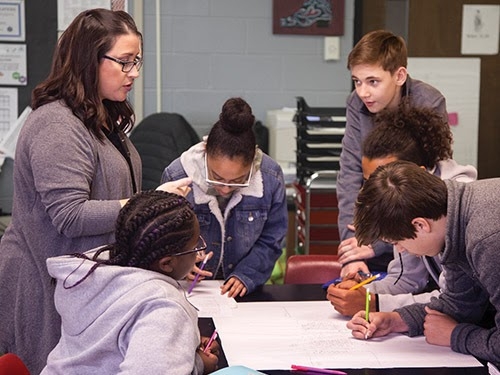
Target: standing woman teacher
{"points": [[239, 197], [74, 169]]}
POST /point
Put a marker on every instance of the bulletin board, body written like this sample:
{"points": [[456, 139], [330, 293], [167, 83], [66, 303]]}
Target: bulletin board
{"points": [[41, 38], [458, 79]]}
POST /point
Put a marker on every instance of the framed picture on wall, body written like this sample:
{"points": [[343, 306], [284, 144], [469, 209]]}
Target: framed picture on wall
{"points": [[308, 17]]}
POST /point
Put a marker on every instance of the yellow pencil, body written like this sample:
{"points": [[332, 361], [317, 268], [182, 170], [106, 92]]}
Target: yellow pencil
{"points": [[367, 305], [367, 310], [364, 282]]}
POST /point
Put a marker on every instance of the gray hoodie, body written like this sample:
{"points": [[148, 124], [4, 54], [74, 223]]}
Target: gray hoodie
{"points": [[416, 271], [470, 259], [121, 320]]}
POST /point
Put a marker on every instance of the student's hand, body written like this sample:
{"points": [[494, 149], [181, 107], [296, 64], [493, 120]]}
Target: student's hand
{"points": [[438, 327], [354, 268], [210, 360], [347, 282], [180, 187], [233, 287], [349, 250], [351, 279], [381, 324], [349, 302], [196, 269], [214, 346]]}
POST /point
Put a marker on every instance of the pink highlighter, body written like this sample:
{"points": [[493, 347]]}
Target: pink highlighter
{"points": [[191, 287]]}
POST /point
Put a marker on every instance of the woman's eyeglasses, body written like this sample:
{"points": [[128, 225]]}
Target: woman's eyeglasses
{"points": [[201, 246], [126, 65], [227, 184]]}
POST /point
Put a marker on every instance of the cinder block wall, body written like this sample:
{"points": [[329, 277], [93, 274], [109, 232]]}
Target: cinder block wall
{"points": [[214, 49]]}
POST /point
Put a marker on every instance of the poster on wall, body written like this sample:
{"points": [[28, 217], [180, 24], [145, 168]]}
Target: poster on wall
{"points": [[480, 28], [12, 20], [13, 64], [308, 17]]}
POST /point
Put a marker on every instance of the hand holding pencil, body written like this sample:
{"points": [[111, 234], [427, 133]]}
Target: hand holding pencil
{"points": [[349, 297], [210, 343], [209, 351], [366, 281], [379, 324], [198, 273]]}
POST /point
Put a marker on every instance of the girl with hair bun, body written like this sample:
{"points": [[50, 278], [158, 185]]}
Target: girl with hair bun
{"points": [[239, 196], [122, 309]]}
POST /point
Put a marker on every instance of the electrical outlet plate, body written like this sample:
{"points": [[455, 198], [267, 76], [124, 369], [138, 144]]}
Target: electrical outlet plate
{"points": [[332, 48]]}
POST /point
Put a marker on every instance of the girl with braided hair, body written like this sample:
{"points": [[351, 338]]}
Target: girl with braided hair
{"points": [[122, 307], [239, 196], [420, 136]]}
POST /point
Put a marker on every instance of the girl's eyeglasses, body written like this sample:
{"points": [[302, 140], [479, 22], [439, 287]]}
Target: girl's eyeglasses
{"points": [[227, 184], [201, 246]]}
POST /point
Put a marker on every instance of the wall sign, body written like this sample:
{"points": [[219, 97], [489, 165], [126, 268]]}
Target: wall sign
{"points": [[480, 27], [308, 17]]}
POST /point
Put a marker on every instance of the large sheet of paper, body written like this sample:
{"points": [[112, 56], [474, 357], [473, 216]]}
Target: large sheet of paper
{"points": [[274, 335]]}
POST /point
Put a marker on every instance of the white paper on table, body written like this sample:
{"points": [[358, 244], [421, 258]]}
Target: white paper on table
{"points": [[273, 335], [206, 297]]}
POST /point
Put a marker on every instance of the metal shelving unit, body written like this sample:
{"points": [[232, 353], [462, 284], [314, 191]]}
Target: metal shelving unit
{"points": [[319, 143]]}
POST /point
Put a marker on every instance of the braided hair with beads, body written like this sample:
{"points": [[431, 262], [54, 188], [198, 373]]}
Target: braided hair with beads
{"points": [[153, 224]]}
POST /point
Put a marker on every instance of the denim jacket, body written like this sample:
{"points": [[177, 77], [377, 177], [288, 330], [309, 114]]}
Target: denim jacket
{"points": [[247, 237]]}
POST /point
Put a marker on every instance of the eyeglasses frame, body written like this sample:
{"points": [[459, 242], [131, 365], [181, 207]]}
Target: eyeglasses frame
{"points": [[201, 248], [136, 62], [224, 184]]}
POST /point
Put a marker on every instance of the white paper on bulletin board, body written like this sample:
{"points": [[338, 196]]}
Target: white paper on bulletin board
{"points": [[67, 10], [458, 79], [8, 109], [13, 67]]}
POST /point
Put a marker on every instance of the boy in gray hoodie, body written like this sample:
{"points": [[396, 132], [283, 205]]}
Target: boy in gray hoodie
{"points": [[424, 215]]}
